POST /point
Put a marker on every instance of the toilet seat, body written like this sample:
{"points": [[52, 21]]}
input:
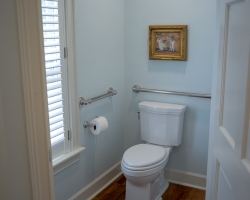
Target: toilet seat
{"points": [[144, 159], [143, 155]]}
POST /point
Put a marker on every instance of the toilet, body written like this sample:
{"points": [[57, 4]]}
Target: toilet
{"points": [[143, 164]]}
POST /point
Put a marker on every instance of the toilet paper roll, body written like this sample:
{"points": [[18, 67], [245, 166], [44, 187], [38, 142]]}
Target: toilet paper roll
{"points": [[101, 124]]}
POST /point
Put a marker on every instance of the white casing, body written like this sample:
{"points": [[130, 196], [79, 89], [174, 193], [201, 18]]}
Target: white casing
{"points": [[161, 123]]}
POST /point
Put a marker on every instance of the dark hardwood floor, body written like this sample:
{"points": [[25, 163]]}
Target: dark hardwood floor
{"points": [[116, 191]]}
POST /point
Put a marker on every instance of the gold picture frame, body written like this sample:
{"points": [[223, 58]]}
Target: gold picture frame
{"points": [[168, 42]]}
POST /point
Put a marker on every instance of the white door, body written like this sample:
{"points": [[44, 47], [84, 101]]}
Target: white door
{"points": [[229, 145]]}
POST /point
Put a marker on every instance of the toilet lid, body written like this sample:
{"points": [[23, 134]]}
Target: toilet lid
{"points": [[143, 155]]}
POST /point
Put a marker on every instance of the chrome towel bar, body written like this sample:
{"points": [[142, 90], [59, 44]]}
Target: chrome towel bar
{"points": [[136, 88], [82, 101]]}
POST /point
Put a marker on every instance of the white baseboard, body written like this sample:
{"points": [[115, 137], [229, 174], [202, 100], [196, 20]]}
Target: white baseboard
{"points": [[186, 178], [174, 176], [99, 184]]}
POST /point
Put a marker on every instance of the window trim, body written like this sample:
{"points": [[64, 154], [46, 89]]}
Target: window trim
{"points": [[66, 160], [72, 74], [70, 158], [61, 127]]}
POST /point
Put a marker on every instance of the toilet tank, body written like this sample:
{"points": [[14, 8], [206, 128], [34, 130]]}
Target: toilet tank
{"points": [[161, 123]]}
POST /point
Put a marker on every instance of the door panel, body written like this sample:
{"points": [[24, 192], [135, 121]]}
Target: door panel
{"points": [[234, 81], [246, 136], [229, 150], [224, 188], [247, 148]]}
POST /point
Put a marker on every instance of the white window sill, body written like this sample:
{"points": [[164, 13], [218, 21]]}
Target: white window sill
{"points": [[66, 160]]}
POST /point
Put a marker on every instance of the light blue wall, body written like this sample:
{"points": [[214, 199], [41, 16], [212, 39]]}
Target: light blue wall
{"points": [[113, 53], [100, 63], [193, 75], [100, 60]]}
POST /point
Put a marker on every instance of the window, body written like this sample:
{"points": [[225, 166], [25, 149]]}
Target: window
{"points": [[56, 75], [61, 82]]}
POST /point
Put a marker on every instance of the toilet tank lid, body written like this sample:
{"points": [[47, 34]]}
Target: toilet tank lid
{"points": [[160, 107]]}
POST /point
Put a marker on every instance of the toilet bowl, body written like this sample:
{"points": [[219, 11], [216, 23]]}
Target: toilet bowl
{"points": [[143, 165]]}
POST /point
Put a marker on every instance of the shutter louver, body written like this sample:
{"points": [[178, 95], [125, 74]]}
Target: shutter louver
{"points": [[53, 56]]}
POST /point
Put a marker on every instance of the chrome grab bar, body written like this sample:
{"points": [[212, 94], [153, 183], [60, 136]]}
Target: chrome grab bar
{"points": [[136, 88], [83, 102]]}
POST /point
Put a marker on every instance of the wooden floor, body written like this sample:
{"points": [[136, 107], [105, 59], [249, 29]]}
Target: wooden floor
{"points": [[116, 191]]}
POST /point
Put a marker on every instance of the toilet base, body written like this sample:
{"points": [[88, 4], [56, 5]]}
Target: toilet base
{"points": [[150, 191], [163, 188]]}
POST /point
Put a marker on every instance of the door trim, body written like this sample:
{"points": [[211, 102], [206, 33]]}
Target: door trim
{"points": [[33, 74]]}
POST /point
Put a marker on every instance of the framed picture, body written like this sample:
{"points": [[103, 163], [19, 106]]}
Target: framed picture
{"points": [[168, 42]]}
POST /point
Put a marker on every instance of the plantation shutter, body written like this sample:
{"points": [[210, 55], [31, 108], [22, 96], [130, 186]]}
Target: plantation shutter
{"points": [[54, 60]]}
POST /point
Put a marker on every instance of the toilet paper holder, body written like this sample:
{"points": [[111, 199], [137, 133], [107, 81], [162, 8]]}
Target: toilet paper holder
{"points": [[87, 124], [97, 125]]}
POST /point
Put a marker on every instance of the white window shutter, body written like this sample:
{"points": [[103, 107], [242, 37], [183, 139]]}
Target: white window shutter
{"points": [[55, 74]]}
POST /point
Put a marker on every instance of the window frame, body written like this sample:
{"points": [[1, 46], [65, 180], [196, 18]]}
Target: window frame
{"points": [[31, 51], [63, 146], [73, 148]]}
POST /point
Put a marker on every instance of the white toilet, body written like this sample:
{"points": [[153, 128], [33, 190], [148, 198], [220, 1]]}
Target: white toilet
{"points": [[143, 164]]}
